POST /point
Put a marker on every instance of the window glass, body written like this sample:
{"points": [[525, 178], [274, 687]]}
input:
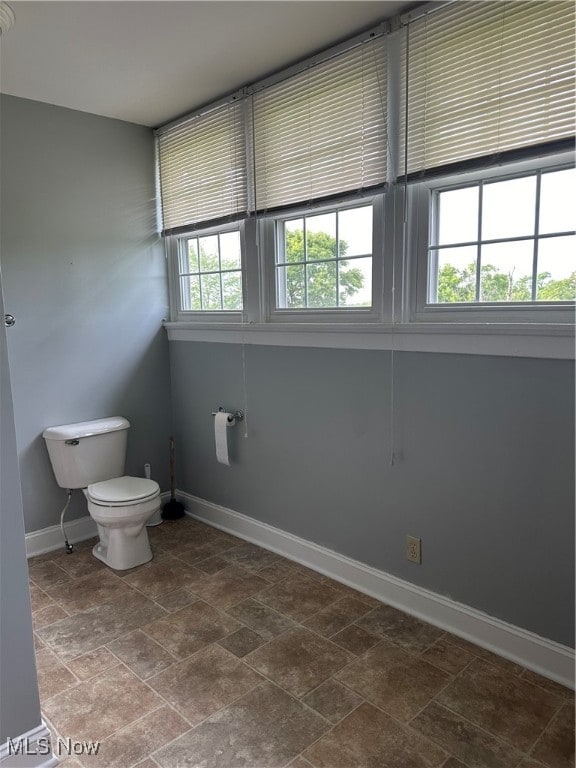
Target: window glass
{"points": [[455, 275], [556, 280], [355, 231], [193, 256], [324, 261], [208, 252], [232, 290], [321, 237], [211, 272], [506, 271], [355, 282], [458, 216], [520, 259], [508, 208], [230, 250], [293, 250], [211, 291], [557, 201], [321, 284]]}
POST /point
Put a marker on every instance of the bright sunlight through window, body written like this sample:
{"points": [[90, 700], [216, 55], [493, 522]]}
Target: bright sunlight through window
{"points": [[510, 240], [211, 272], [324, 261]]}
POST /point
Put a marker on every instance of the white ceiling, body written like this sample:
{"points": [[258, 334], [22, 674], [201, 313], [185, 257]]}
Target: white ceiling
{"points": [[148, 62]]}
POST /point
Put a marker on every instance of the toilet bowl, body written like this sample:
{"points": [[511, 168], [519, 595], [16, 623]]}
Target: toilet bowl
{"points": [[121, 507], [90, 455]]}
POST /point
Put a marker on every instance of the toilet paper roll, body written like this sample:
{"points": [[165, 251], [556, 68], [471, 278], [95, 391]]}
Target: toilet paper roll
{"points": [[222, 421]]}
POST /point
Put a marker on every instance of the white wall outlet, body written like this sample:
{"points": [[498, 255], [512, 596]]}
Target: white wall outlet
{"points": [[414, 549]]}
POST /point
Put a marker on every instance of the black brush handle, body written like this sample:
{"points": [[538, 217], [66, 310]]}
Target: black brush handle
{"points": [[172, 473]]}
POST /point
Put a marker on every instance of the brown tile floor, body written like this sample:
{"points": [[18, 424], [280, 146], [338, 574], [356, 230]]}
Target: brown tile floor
{"points": [[219, 654]]}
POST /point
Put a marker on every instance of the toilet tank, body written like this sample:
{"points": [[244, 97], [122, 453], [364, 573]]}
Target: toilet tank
{"points": [[87, 452]]}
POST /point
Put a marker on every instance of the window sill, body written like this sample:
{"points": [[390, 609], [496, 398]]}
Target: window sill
{"points": [[555, 341]]}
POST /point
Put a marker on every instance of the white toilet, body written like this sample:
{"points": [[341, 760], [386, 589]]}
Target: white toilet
{"points": [[90, 455]]}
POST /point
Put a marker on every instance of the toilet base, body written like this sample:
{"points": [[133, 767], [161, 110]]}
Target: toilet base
{"points": [[123, 548]]}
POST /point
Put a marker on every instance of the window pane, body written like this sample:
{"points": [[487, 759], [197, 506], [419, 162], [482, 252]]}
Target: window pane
{"points": [[293, 241], [211, 296], [355, 278], [230, 250], [209, 260], [556, 269], [232, 290], [458, 216], [355, 231], [506, 271], [214, 264], [453, 272], [321, 283], [192, 248], [557, 196], [509, 208], [291, 287], [190, 293], [321, 237]]}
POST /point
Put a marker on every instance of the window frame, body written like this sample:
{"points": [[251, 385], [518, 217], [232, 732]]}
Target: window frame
{"points": [[421, 207], [268, 238], [174, 250], [400, 317]]}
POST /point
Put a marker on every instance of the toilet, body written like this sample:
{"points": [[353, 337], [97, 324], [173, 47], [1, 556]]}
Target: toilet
{"points": [[90, 455]]}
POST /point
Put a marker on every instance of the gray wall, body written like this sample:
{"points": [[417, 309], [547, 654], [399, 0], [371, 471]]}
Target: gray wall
{"points": [[484, 473], [85, 276], [19, 702]]}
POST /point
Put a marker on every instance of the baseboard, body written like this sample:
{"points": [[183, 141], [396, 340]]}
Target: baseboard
{"points": [[29, 750], [50, 539], [539, 654]]}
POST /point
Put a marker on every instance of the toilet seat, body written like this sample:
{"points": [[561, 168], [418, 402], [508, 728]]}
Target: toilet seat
{"points": [[123, 491]]}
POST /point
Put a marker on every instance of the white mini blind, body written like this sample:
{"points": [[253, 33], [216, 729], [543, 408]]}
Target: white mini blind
{"points": [[485, 78], [202, 169], [322, 131]]}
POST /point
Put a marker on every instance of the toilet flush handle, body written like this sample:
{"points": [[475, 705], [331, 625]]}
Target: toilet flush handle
{"points": [[72, 442]]}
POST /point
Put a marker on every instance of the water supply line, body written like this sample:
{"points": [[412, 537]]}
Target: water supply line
{"points": [[69, 547]]}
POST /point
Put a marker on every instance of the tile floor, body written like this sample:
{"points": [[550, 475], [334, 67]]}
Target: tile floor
{"points": [[219, 654]]}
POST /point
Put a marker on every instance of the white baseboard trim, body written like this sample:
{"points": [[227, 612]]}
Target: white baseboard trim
{"points": [[546, 657], [50, 539], [29, 750]]}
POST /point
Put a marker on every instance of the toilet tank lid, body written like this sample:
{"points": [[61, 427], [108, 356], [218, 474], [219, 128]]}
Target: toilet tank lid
{"points": [[86, 428]]}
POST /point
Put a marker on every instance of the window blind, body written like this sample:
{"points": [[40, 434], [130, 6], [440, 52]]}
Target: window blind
{"points": [[486, 78], [202, 169], [322, 131]]}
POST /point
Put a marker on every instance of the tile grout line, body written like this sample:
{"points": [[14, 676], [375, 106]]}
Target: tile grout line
{"points": [[130, 725], [495, 737], [408, 724], [204, 719], [550, 722], [296, 624]]}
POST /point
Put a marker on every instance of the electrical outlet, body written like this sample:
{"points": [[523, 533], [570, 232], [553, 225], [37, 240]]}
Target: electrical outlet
{"points": [[414, 549]]}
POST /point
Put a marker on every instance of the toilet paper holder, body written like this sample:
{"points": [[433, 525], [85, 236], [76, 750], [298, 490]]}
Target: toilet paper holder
{"points": [[234, 415]]}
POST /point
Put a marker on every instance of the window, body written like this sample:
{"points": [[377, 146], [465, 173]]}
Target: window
{"points": [[324, 260], [486, 118], [313, 135], [210, 272], [420, 171], [504, 240]]}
